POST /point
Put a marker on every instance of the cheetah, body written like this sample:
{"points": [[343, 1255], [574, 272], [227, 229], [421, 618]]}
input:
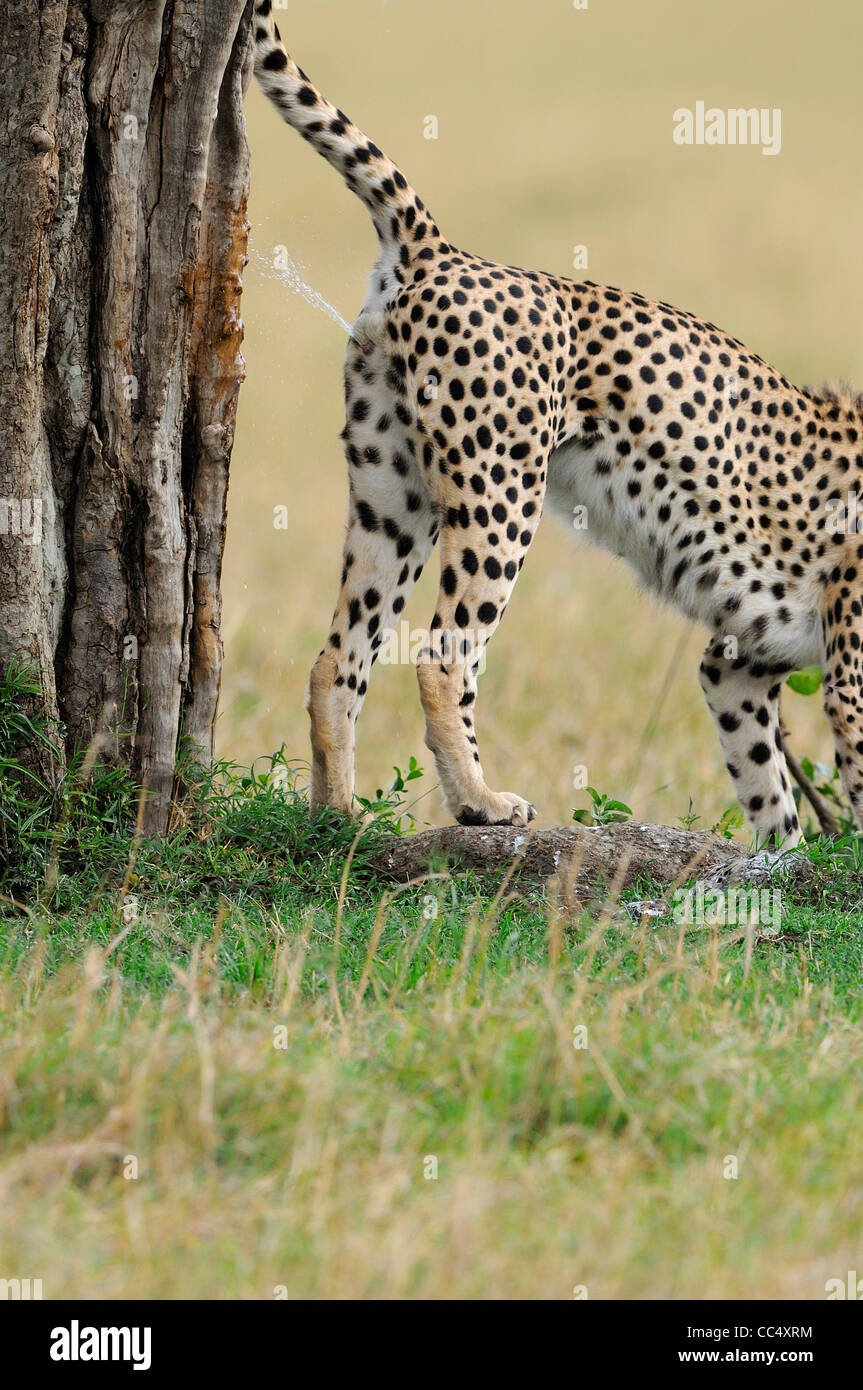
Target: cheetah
{"points": [[476, 392]]}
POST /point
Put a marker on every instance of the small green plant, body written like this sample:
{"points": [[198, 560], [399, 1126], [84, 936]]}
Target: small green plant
{"points": [[690, 817], [730, 820], [603, 811], [388, 808]]}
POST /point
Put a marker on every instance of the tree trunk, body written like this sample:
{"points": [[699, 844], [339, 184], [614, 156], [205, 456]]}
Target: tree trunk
{"points": [[123, 180]]}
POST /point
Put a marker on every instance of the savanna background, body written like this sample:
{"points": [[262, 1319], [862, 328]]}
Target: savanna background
{"points": [[554, 130], [240, 1064]]}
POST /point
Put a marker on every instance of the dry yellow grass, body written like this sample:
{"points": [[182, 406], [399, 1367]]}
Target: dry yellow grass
{"points": [[443, 1140], [554, 130]]}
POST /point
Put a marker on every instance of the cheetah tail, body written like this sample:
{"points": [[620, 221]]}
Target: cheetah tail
{"points": [[399, 216]]}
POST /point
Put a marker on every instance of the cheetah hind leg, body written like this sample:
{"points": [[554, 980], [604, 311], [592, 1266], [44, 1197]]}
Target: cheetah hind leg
{"points": [[843, 693], [384, 555], [447, 690], [476, 583], [744, 702]]}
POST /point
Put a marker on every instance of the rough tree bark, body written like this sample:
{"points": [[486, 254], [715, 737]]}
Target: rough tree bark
{"points": [[124, 174]]}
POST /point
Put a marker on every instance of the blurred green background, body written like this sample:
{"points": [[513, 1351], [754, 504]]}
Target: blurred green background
{"points": [[554, 130]]}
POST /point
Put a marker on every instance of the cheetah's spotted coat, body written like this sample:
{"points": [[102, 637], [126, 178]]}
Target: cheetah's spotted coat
{"points": [[475, 392]]}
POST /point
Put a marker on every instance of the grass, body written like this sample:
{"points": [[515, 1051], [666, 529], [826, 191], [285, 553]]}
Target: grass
{"points": [[233, 1067]]}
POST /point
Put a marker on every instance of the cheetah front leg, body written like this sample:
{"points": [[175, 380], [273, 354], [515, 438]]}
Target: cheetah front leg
{"points": [[744, 701], [482, 549]]}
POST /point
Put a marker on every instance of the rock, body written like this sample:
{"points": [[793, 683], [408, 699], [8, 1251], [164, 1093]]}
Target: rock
{"points": [[587, 859]]}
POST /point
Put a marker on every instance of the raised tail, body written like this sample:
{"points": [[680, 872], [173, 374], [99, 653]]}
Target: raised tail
{"points": [[399, 215]]}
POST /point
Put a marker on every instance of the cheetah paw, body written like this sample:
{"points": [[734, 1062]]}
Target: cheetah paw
{"points": [[497, 808]]}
